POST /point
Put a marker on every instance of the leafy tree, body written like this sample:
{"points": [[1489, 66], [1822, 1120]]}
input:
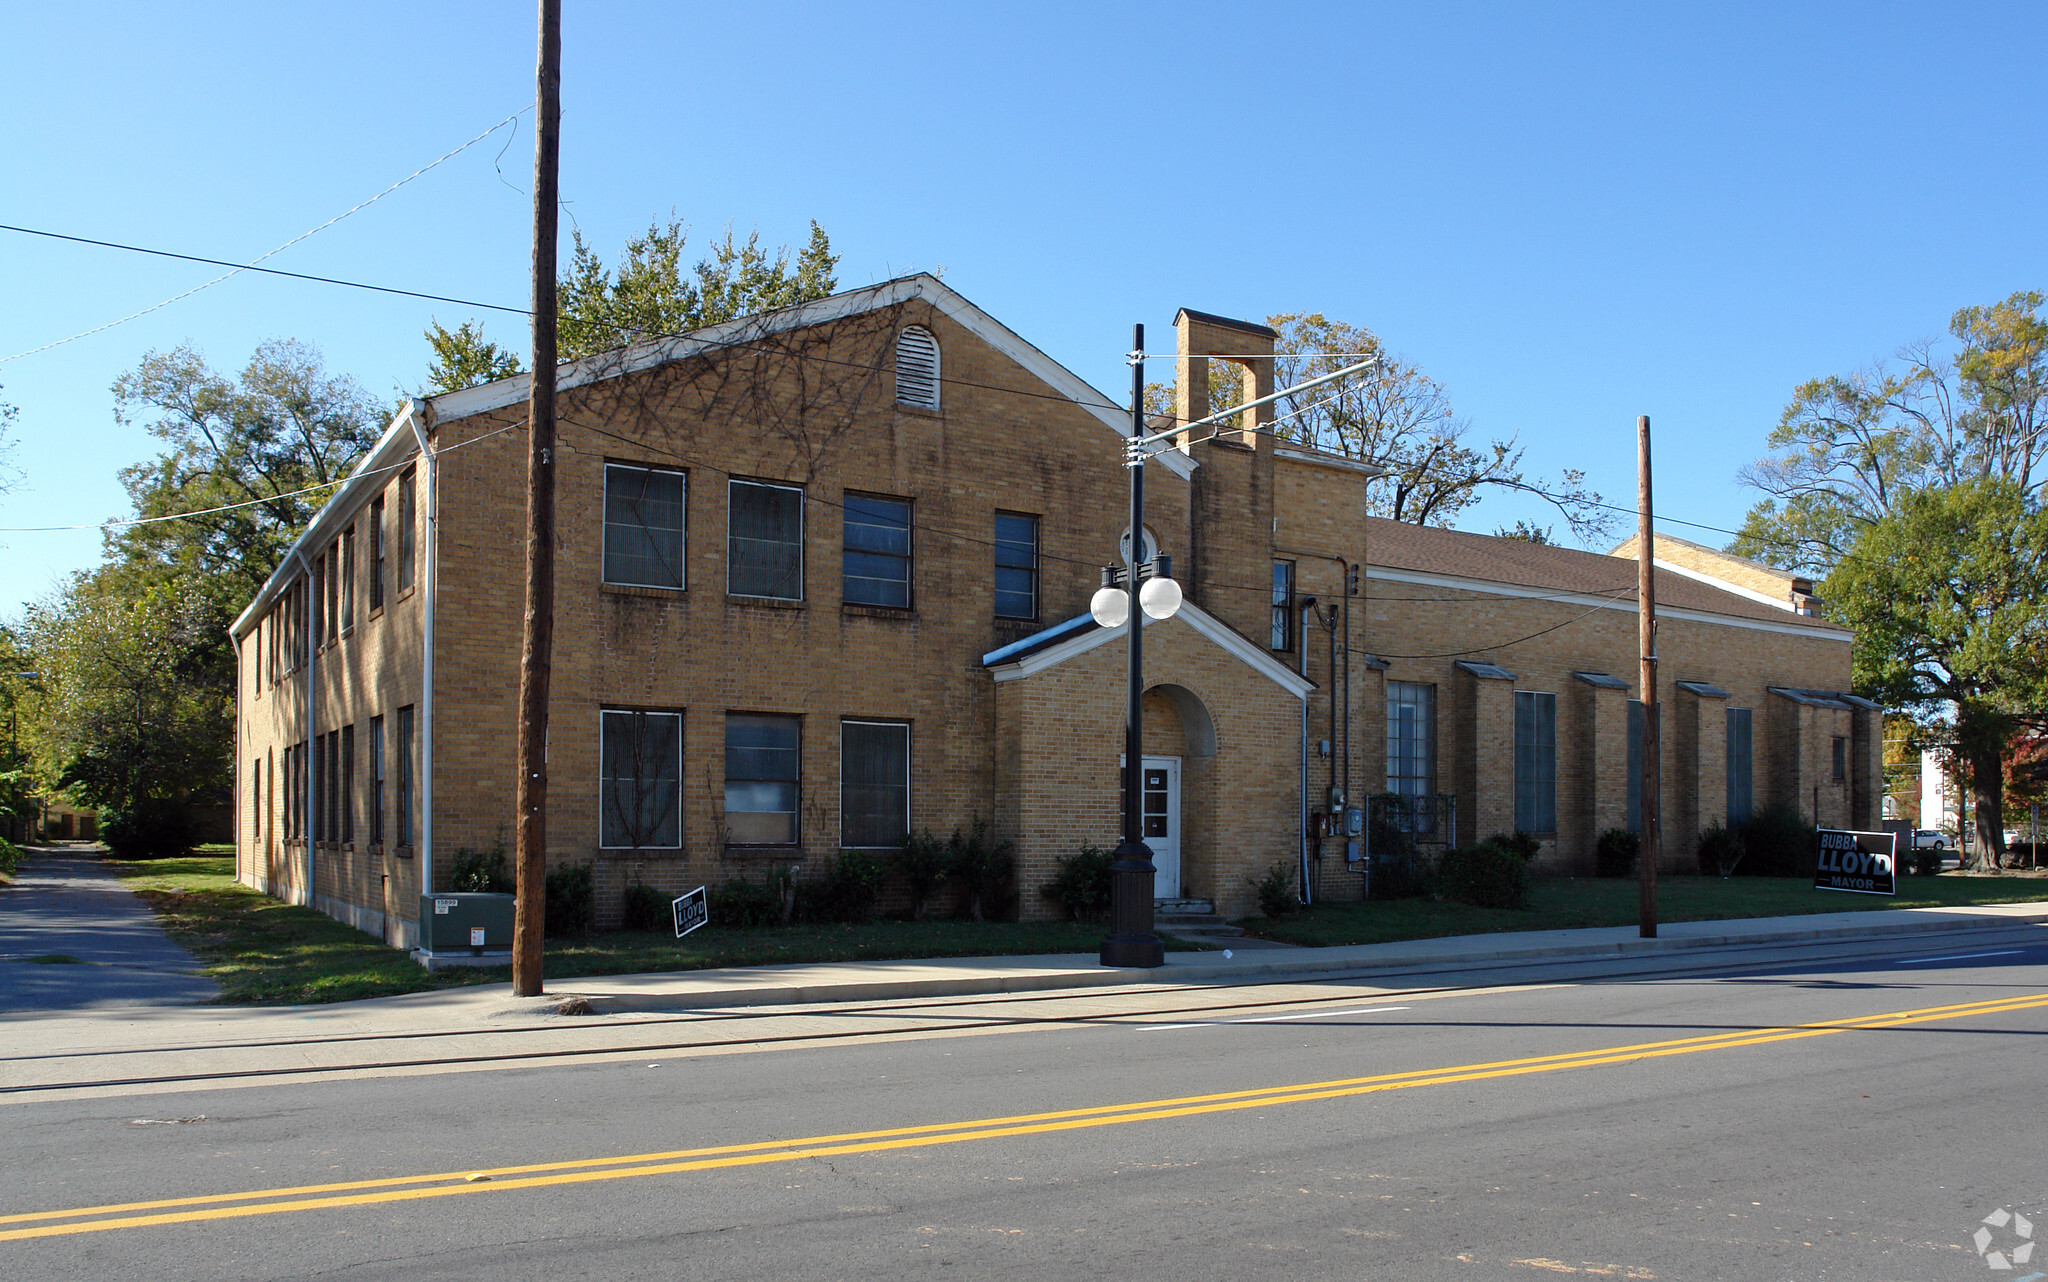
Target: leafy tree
{"points": [[649, 293], [1901, 487], [1948, 595], [1527, 532], [1397, 417], [463, 357], [265, 445], [133, 716]]}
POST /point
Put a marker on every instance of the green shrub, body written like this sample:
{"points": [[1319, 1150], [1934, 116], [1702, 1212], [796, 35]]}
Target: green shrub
{"points": [[646, 908], [1615, 853], [740, 902], [1082, 885], [10, 858], [922, 861], [847, 891], [982, 866], [1923, 863], [149, 830], [1485, 876], [481, 871], [1721, 850], [1276, 889], [570, 901], [1780, 843], [1523, 845]]}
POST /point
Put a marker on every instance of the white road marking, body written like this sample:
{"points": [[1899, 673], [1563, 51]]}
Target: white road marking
{"points": [[1270, 1019], [2003, 952]]}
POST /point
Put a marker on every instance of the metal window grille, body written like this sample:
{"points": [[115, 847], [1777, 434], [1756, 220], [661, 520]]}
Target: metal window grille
{"points": [[765, 528], [1535, 762], [876, 564], [762, 778], [640, 780], [874, 784], [1016, 557], [644, 511]]}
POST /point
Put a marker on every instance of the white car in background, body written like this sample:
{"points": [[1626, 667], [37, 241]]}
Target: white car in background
{"points": [[1929, 839]]}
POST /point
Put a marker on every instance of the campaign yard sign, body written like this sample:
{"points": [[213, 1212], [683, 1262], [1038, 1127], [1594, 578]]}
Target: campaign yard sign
{"points": [[1864, 862], [691, 911]]}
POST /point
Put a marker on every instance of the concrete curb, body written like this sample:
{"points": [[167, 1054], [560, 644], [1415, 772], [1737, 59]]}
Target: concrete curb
{"points": [[1251, 967]]}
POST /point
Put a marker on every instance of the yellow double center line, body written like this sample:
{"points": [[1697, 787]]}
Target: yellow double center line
{"points": [[313, 1197]]}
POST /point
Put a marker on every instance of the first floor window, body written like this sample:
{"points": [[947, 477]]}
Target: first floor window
{"points": [[377, 779], [765, 529], [640, 772], [762, 778], [1411, 752], [874, 784], [256, 801], [402, 822], [346, 794], [1741, 798], [877, 556], [643, 526], [1016, 566], [1535, 762], [1283, 606]]}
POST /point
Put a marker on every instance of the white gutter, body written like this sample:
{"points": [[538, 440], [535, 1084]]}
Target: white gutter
{"points": [[427, 593], [309, 817]]}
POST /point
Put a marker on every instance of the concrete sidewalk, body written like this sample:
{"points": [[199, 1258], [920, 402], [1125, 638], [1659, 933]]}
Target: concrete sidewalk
{"points": [[458, 1011], [72, 936]]}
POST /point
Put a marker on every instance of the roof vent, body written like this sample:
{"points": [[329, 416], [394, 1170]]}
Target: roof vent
{"points": [[917, 368]]}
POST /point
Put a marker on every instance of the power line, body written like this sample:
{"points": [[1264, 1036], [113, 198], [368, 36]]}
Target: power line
{"points": [[251, 264]]}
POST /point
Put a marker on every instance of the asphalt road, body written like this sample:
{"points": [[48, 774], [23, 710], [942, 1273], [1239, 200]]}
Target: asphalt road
{"points": [[1853, 1111], [72, 937]]}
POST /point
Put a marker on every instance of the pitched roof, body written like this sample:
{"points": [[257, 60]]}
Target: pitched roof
{"points": [[1397, 548]]}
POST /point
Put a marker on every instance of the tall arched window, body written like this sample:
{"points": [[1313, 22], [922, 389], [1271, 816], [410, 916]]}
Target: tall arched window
{"points": [[917, 368]]}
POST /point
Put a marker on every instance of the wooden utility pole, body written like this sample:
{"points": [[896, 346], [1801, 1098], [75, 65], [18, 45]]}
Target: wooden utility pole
{"points": [[537, 634], [1651, 780]]}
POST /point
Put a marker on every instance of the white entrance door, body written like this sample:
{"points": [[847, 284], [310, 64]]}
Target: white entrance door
{"points": [[1159, 792]]}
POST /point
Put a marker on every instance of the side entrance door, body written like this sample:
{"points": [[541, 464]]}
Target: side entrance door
{"points": [[1160, 793]]}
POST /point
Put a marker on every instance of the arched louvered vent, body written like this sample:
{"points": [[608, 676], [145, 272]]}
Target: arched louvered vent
{"points": [[917, 368]]}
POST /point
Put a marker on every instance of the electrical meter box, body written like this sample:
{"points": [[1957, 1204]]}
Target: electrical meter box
{"points": [[467, 920]]}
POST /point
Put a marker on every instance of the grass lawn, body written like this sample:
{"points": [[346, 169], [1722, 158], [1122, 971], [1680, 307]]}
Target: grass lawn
{"points": [[264, 952], [1564, 903]]}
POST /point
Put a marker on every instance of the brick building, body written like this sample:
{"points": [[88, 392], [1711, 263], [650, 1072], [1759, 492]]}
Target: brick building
{"points": [[822, 577]]}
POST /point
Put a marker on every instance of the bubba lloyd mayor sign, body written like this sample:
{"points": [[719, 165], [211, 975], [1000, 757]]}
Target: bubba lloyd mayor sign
{"points": [[1859, 861]]}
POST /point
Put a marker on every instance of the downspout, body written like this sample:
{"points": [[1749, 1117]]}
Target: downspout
{"points": [[1301, 633], [308, 817], [429, 579]]}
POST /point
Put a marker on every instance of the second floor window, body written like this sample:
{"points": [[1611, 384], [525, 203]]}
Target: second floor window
{"points": [[1016, 566], [1283, 606], [377, 553], [407, 538], [643, 526], [877, 559], [765, 529]]}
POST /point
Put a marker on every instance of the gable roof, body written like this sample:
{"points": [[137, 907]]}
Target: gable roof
{"points": [[400, 441], [1076, 636], [1514, 567]]}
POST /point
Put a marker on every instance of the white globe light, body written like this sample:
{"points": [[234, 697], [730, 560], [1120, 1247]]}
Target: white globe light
{"points": [[1159, 598], [1110, 606]]}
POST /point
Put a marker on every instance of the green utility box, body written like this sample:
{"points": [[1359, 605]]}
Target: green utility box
{"points": [[466, 921]]}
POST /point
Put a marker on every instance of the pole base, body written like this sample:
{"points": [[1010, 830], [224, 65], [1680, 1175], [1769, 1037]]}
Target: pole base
{"points": [[1142, 952], [1131, 941]]}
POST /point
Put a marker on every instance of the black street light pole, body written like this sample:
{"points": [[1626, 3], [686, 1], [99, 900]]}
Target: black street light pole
{"points": [[1131, 940]]}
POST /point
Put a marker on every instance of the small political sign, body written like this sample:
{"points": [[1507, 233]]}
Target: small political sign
{"points": [[692, 910], [1863, 862]]}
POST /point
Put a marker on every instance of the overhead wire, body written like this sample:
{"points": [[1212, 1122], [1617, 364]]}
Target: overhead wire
{"points": [[251, 265]]}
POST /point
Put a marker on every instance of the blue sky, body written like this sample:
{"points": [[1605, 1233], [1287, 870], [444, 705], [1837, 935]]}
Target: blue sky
{"points": [[1570, 215]]}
